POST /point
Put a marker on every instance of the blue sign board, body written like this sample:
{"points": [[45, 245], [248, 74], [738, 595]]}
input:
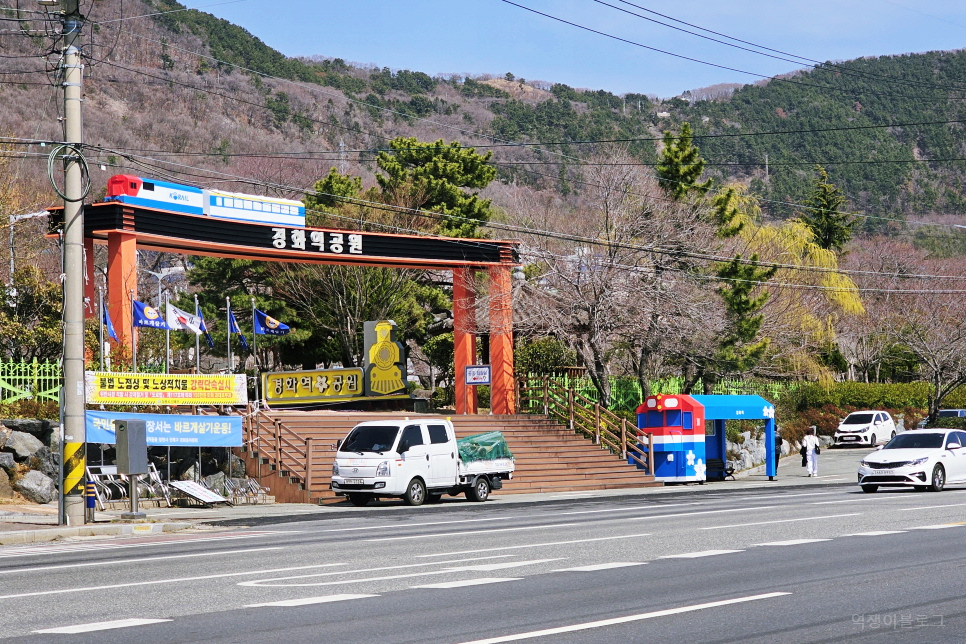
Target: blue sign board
{"points": [[170, 430]]}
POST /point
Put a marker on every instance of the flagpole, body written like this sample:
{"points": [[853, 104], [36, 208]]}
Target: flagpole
{"points": [[197, 340], [258, 374], [228, 335], [134, 339], [167, 334], [100, 327]]}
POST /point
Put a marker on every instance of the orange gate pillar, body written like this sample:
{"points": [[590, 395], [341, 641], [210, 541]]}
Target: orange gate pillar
{"points": [[501, 341], [464, 339], [122, 280]]}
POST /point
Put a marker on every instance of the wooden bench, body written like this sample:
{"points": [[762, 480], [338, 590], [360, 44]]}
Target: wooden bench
{"points": [[718, 468]]}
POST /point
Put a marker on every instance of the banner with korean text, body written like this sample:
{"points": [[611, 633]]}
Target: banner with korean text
{"points": [[169, 430], [103, 388]]}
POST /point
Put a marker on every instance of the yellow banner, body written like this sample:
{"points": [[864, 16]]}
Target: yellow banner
{"points": [[165, 389], [321, 385]]}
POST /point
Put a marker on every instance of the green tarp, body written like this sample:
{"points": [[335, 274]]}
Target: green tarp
{"points": [[483, 447]]}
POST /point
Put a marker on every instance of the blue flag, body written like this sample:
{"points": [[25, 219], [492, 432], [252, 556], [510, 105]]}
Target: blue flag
{"points": [[148, 316], [110, 327], [204, 327], [233, 328], [265, 324]]}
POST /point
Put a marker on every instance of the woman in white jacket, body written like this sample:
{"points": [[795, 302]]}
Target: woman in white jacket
{"points": [[811, 445]]}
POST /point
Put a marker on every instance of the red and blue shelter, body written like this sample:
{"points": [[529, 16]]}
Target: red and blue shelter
{"points": [[687, 431]]}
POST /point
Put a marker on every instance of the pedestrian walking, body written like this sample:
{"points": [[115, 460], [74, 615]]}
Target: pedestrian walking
{"points": [[778, 450], [812, 448]]}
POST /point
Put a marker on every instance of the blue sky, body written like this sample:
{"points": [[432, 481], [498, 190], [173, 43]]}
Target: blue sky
{"points": [[492, 36]]}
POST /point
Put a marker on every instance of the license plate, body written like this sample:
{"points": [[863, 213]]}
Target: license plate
{"points": [[850, 438], [353, 481], [881, 471]]}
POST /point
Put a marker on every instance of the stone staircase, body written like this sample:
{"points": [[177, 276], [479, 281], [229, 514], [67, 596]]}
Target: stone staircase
{"points": [[548, 456]]}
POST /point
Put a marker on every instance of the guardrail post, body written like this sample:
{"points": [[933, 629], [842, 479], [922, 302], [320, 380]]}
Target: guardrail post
{"points": [[597, 423], [570, 408], [308, 465], [546, 396], [278, 446], [623, 438]]}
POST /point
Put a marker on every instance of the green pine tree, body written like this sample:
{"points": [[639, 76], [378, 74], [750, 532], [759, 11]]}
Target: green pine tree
{"points": [[832, 228], [681, 165]]}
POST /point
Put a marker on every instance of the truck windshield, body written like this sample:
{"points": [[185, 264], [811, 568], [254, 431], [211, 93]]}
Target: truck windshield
{"points": [[370, 438]]}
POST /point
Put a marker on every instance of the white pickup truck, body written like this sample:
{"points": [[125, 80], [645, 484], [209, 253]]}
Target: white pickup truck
{"points": [[417, 460]]}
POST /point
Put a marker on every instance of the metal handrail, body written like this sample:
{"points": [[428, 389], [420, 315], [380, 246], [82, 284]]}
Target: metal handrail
{"points": [[289, 451], [586, 417]]}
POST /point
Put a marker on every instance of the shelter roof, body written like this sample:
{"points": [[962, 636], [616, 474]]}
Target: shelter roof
{"points": [[740, 407]]}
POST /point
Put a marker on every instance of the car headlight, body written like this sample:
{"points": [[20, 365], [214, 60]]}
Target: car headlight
{"points": [[335, 468], [383, 469], [918, 461], [865, 463]]}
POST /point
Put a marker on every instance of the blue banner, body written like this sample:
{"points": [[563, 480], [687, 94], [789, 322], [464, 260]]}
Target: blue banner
{"points": [[148, 316], [170, 430], [265, 324]]}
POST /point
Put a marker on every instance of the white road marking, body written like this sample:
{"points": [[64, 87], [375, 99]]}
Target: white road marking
{"points": [[138, 560], [625, 509], [801, 494], [306, 601], [535, 545], [468, 582], [257, 583], [101, 626], [875, 533], [501, 566], [419, 525], [937, 527], [24, 551], [703, 553], [462, 533], [605, 566], [741, 525], [791, 542], [623, 620], [176, 580], [933, 507]]}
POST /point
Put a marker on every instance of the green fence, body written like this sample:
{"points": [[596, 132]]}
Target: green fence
{"points": [[626, 393], [29, 381]]}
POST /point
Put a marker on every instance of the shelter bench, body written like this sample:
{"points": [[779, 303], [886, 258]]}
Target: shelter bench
{"points": [[719, 468]]}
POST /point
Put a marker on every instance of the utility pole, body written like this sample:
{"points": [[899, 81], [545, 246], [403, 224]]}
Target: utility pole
{"points": [[73, 454]]}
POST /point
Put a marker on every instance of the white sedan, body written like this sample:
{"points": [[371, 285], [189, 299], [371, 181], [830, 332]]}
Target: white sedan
{"points": [[865, 428], [924, 459]]}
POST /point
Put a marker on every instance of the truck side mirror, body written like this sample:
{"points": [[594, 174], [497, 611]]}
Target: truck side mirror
{"points": [[338, 445], [403, 446]]}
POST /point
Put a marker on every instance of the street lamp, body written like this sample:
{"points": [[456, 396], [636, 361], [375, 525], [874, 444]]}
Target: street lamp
{"points": [[165, 272]]}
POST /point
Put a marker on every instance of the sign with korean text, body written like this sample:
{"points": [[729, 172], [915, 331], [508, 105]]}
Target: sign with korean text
{"points": [[172, 430], [478, 374], [103, 388], [320, 385]]}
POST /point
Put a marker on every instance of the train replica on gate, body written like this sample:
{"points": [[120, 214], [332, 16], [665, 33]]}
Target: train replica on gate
{"points": [[189, 200]]}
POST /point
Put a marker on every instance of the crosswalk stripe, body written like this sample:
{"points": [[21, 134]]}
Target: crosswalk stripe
{"points": [[101, 626], [306, 601], [468, 582], [703, 553]]}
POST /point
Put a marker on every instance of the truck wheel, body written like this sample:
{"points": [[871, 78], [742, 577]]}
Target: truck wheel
{"points": [[359, 500], [480, 490], [415, 493]]}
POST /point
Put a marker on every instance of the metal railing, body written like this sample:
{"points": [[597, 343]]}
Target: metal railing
{"points": [[29, 381], [586, 417], [290, 453]]}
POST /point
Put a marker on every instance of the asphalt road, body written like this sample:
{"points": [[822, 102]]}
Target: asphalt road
{"points": [[821, 564]]}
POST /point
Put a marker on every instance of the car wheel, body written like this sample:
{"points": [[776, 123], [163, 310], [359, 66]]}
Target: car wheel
{"points": [[872, 440], [359, 500], [938, 479], [415, 492], [480, 490], [869, 489]]}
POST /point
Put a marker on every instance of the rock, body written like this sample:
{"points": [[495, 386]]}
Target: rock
{"points": [[6, 492], [45, 461], [235, 467], [825, 441], [41, 429], [22, 445], [36, 487], [7, 461], [216, 482]]}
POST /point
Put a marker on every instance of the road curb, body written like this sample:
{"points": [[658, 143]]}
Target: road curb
{"points": [[108, 530]]}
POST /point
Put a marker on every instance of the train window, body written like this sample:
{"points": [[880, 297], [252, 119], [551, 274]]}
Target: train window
{"points": [[218, 201], [134, 186], [655, 419], [687, 420], [673, 418], [147, 185], [258, 205]]}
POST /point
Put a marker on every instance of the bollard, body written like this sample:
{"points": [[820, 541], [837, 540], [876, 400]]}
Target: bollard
{"points": [[91, 494]]}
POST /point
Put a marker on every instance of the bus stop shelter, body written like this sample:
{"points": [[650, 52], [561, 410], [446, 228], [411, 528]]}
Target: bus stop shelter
{"points": [[718, 409]]}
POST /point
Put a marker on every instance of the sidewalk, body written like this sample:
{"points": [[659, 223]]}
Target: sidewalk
{"points": [[24, 524]]}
